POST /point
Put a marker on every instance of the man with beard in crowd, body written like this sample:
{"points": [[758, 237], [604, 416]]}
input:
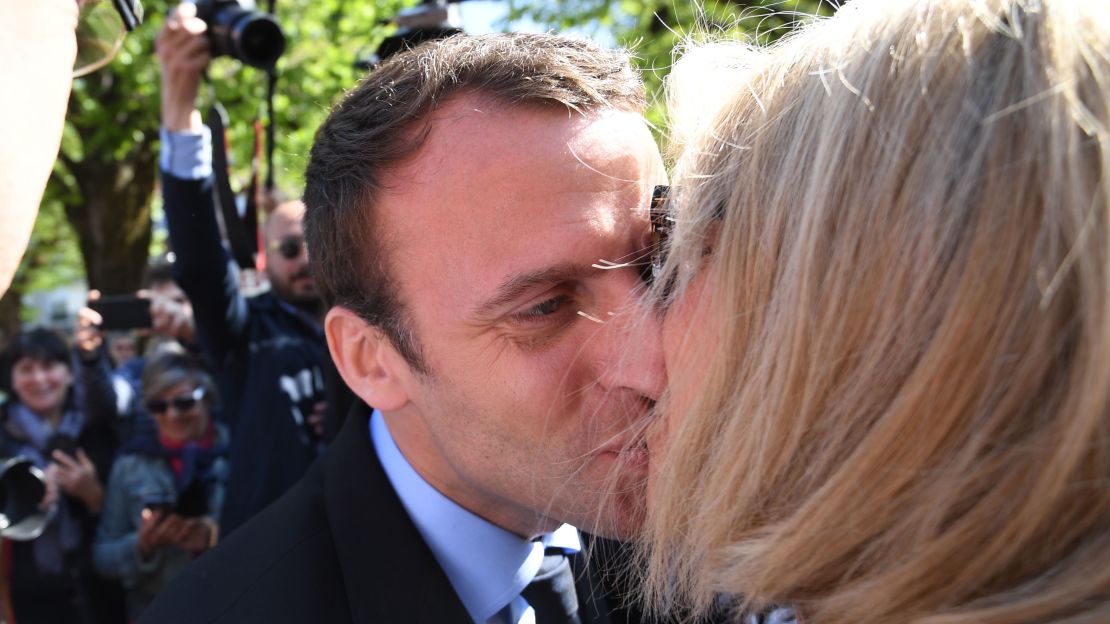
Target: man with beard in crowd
{"points": [[268, 350]]}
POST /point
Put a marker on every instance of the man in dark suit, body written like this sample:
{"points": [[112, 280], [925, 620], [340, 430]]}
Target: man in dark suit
{"points": [[477, 217]]}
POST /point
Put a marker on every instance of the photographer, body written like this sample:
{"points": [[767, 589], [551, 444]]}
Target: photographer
{"points": [[66, 429], [166, 489], [268, 351]]}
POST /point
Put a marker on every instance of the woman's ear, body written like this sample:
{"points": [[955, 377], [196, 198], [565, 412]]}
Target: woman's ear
{"points": [[367, 360]]}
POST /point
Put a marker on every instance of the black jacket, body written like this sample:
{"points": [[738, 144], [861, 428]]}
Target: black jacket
{"points": [[339, 547], [271, 360]]}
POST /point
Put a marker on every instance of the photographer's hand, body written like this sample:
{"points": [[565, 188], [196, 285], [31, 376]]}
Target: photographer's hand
{"points": [[198, 535], [183, 53], [77, 477], [169, 317], [151, 531], [88, 338]]}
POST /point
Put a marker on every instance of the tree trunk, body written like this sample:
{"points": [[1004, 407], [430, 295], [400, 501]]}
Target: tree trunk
{"points": [[10, 307], [113, 176], [113, 219]]}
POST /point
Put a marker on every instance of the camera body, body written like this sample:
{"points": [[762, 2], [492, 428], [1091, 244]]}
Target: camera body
{"points": [[237, 30]]}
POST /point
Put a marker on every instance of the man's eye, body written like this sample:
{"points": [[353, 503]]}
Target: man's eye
{"points": [[544, 310]]}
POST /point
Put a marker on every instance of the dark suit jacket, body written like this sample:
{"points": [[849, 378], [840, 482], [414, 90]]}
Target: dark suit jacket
{"points": [[338, 547]]}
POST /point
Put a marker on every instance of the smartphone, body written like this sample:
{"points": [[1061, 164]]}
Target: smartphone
{"points": [[192, 501], [123, 312], [61, 442], [159, 502]]}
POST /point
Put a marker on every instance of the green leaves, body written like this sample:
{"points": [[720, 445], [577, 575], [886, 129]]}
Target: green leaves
{"points": [[106, 171]]}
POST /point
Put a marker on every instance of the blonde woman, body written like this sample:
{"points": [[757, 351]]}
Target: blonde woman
{"points": [[887, 321]]}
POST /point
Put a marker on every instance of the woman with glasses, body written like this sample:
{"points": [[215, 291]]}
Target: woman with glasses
{"points": [[886, 320], [166, 489]]}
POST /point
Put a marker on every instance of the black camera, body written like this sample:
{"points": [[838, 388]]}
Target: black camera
{"points": [[237, 30]]}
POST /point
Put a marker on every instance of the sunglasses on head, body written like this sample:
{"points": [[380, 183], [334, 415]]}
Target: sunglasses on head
{"points": [[661, 225], [180, 403], [289, 247]]}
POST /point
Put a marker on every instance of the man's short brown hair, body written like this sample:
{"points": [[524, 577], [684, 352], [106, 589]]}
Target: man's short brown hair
{"points": [[379, 124]]}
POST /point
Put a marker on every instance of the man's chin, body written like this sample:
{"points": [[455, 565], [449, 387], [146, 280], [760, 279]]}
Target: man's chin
{"points": [[620, 517], [307, 302], [621, 522]]}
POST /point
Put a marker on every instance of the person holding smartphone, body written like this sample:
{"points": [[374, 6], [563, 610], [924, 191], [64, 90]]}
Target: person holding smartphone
{"points": [[166, 489]]}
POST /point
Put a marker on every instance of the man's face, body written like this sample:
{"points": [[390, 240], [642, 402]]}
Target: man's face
{"points": [[286, 256], [121, 348], [170, 290], [495, 227]]}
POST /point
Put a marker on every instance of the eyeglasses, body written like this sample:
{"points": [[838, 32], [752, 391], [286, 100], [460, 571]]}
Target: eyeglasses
{"points": [[181, 403], [661, 225], [289, 247]]}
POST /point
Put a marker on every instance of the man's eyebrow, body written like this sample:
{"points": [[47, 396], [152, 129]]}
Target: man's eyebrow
{"points": [[519, 284]]}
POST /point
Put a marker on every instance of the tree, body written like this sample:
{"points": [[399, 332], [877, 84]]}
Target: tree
{"points": [[653, 28], [106, 174]]}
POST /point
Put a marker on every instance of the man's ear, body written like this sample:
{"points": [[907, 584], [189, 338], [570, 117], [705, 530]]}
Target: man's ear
{"points": [[366, 360]]}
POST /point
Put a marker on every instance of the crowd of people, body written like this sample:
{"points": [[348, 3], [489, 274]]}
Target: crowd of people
{"points": [[846, 359]]}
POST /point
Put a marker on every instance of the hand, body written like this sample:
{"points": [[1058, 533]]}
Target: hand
{"points": [[169, 317], [158, 528], [316, 418], [77, 478], [89, 338], [199, 536], [51, 481], [183, 53]]}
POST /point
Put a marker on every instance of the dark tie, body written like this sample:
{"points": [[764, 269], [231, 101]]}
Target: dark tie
{"points": [[551, 593]]}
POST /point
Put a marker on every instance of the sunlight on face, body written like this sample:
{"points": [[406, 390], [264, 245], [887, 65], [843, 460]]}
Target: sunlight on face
{"points": [[503, 216]]}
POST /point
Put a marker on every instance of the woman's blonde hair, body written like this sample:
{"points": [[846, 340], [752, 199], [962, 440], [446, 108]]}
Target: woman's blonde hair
{"points": [[908, 415]]}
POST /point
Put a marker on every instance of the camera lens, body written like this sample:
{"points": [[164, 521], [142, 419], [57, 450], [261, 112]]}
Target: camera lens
{"points": [[257, 40], [250, 36]]}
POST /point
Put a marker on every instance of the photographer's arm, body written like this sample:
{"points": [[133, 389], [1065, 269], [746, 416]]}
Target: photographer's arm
{"points": [[203, 268], [96, 384]]}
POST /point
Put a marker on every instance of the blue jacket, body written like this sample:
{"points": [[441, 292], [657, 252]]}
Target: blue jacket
{"points": [[135, 479]]}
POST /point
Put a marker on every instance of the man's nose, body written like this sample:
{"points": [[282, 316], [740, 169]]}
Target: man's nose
{"points": [[632, 357]]}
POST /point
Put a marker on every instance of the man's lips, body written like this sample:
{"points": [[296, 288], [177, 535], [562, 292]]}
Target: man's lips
{"points": [[631, 454]]}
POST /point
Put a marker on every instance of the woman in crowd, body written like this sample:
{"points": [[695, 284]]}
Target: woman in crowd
{"points": [[66, 430], [887, 321], [166, 489]]}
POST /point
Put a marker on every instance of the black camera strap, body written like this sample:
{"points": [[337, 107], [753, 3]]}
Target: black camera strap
{"points": [[270, 120], [241, 231]]}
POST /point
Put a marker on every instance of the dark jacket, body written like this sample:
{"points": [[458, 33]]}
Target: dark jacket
{"points": [[76, 595], [270, 359], [339, 547]]}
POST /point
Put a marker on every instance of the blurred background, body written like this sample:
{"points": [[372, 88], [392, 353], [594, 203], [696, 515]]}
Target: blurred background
{"points": [[100, 222]]}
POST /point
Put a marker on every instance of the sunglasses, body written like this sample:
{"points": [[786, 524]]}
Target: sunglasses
{"points": [[289, 247], [661, 225], [181, 403]]}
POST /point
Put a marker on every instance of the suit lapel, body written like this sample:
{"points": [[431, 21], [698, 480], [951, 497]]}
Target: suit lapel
{"points": [[389, 572], [602, 570]]}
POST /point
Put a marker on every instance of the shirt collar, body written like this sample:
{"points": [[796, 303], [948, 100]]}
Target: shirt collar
{"points": [[487, 565]]}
